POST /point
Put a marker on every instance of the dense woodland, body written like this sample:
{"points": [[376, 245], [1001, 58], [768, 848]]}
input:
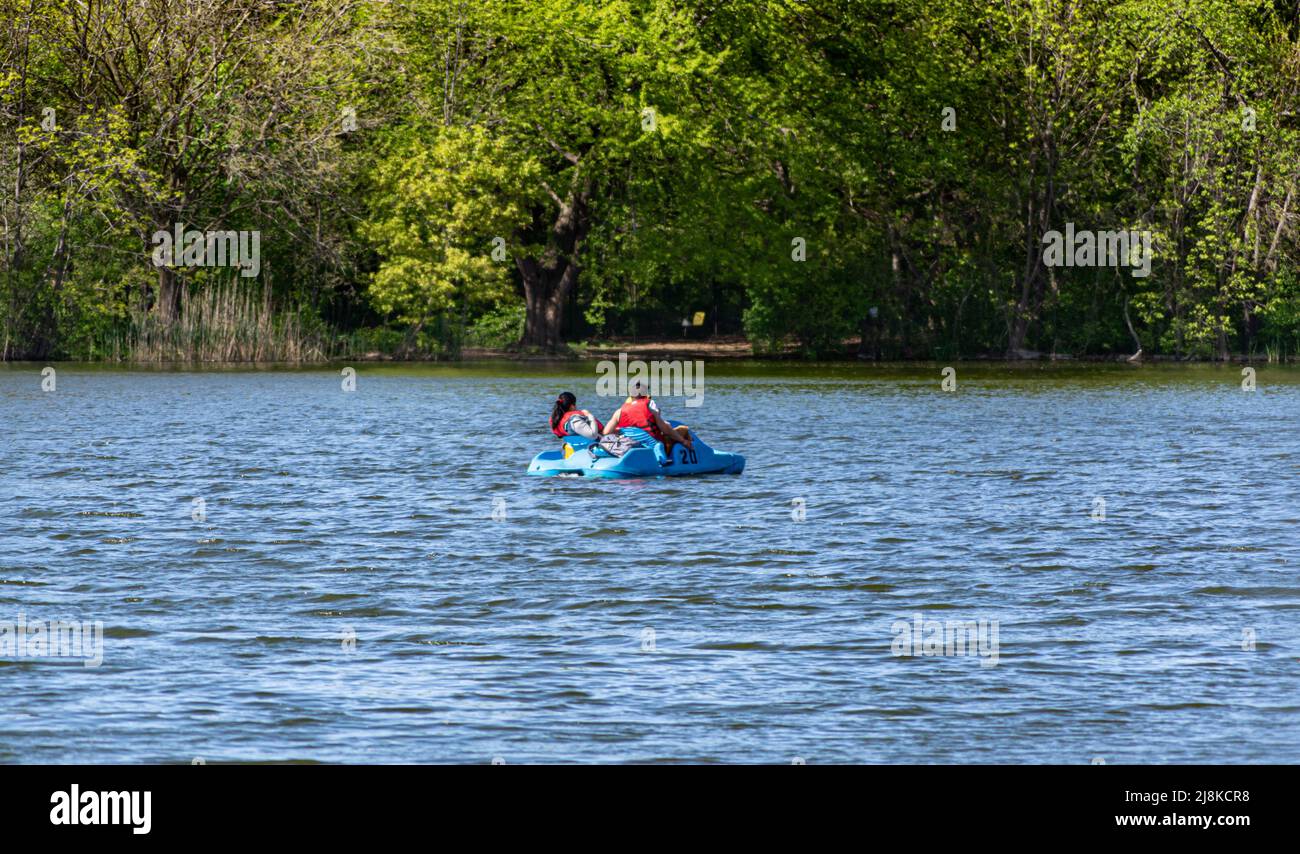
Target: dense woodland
{"points": [[825, 177]]}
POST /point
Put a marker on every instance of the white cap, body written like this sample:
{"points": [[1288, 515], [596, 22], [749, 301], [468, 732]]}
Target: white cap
{"points": [[638, 387]]}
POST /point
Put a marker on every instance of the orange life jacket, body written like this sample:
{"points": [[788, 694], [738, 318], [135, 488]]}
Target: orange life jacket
{"points": [[636, 413], [560, 430]]}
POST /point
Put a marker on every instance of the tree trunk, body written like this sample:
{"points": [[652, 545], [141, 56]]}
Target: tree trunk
{"points": [[1037, 219], [1026, 310], [168, 306], [544, 307], [550, 278]]}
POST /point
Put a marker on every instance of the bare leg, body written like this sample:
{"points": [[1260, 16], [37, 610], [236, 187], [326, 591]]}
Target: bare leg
{"points": [[677, 436]]}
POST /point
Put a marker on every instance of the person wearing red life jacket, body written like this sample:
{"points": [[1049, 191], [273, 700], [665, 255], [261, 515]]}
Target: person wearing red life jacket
{"points": [[568, 420], [639, 412]]}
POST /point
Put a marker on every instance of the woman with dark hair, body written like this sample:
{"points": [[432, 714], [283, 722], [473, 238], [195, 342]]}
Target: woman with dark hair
{"points": [[568, 420]]}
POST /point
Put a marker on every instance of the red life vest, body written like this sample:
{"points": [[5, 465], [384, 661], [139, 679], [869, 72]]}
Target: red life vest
{"points": [[636, 413], [564, 421]]}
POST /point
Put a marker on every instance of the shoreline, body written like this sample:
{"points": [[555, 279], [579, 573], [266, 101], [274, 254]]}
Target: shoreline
{"points": [[479, 357], [739, 349], [726, 349]]}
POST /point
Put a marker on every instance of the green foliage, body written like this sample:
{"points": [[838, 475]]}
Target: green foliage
{"points": [[497, 328], [438, 202], [438, 174]]}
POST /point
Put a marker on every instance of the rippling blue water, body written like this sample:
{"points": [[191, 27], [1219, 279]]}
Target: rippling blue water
{"points": [[691, 620]]}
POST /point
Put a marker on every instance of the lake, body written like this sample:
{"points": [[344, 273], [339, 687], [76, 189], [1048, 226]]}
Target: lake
{"points": [[286, 571]]}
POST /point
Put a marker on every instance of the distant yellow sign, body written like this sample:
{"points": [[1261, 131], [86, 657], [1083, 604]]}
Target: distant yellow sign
{"points": [[698, 320]]}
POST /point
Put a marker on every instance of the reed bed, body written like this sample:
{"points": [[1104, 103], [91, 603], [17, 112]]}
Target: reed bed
{"points": [[224, 323]]}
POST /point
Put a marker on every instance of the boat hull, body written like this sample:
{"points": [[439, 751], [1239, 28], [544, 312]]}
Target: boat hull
{"points": [[577, 460]]}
